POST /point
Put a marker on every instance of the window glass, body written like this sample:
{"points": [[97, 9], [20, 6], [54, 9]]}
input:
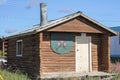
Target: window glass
{"points": [[19, 48]]}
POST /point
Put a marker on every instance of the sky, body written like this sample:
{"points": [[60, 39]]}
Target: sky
{"points": [[19, 15]]}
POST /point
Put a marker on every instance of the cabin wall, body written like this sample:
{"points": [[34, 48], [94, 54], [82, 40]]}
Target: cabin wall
{"points": [[53, 62], [105, 53], [3, 45], [30, 60], [38, 57], [96, 51], [99, 39]]}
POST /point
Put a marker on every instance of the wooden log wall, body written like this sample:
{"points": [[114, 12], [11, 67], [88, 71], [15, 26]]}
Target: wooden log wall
{"points": [[106, 53], [3, 45], [38, 57], [96, 51], [30, 59], [53, 62]]}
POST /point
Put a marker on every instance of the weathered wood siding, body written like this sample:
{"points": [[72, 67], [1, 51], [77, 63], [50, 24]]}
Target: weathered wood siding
{"points": [[53, 62], [3, 45], [105, 52], [96, 51], [78, 25], [30, 60], [38, 57]]}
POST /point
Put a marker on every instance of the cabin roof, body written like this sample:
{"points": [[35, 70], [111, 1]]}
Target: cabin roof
{"points": [[50, 24]]}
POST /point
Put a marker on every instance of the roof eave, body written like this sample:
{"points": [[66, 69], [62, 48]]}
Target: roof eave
{"points": [[58, 22], [113, 33], [61, 20], [20, 35], [101, 25]]}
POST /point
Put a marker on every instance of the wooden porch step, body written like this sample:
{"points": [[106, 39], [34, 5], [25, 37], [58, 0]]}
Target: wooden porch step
{"points": [[101, 75]]}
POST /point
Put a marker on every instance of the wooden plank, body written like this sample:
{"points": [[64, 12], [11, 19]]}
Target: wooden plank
{"points": [[75, 25]]}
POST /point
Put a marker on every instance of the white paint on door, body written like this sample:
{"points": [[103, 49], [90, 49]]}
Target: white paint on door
{"points": [[83, 54]]}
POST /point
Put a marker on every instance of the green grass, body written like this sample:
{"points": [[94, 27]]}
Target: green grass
{"points": [[116, 77], [6, 75]]}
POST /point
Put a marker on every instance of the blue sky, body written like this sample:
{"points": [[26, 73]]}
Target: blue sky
{"points": [[18, 15]]}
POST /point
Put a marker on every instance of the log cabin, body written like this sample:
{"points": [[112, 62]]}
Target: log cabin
{"points": [[3, 45], [73, 44]]}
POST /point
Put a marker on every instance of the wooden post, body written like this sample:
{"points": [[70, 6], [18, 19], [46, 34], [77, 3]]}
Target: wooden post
{"points": [[106, 53], [41, 39], [3, 45]]}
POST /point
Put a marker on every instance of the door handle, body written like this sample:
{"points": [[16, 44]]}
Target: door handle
{"points": [[77, 49]]}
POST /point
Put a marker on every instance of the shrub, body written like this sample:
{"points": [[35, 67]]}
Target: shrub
{"points": [[1, 53], [115, 68], [6, 75]]}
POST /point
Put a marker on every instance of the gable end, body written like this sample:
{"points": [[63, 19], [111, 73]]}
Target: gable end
{"points": [[78, 24]]}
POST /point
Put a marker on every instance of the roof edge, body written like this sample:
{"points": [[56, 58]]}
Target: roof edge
{"points": [[19, 35], [59, 21], [101, 25]]}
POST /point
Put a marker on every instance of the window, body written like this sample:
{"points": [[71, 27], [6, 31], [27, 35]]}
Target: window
{"points": [[19, 48]]}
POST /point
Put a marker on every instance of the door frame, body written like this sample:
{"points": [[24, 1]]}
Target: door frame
{"points": [[90, 53]]}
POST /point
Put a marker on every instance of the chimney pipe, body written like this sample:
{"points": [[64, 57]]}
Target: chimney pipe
{"points": [[43, 10]]}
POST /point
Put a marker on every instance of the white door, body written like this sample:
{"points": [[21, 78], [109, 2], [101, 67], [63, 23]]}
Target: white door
{"points": [[83, 54]]}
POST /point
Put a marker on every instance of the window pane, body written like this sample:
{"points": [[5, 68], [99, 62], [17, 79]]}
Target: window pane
{"points": [[19, 48]]}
